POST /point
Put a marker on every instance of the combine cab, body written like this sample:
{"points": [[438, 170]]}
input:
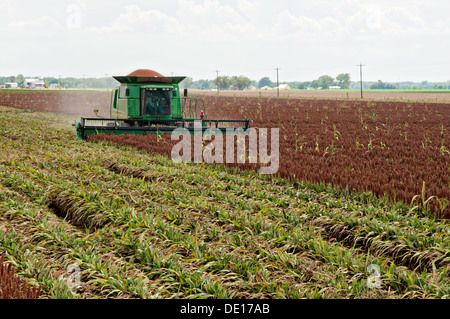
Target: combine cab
{"points": [[148, 102]]}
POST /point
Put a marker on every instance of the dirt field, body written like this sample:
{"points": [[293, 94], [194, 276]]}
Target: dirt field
{"points": [[66, 101], [419, 96]]}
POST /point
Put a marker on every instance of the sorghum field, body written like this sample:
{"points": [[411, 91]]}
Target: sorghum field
{"points": [[340, 220], [398, 150]]}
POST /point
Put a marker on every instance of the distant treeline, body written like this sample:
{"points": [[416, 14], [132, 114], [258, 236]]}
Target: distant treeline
{"points": [[239, 82], [324, 82]]}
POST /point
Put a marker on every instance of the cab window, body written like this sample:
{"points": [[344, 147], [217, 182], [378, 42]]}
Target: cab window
{"points": [[155, 102]]}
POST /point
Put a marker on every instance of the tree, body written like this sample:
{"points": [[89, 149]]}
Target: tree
{"points": [[315, 84], [301, 86], [223, 82], [20, 80], [186, 83], [326, 81], [343, 80], [380, 85], [240, 82], [377, 85], [265, 81], [439, 87], [304, 85], [201, 85]]}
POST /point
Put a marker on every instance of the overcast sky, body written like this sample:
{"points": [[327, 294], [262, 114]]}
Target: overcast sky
{"points": [[395, 40]]}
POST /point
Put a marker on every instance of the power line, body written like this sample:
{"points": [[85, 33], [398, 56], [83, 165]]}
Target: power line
{"points": [[278, 83], [217, 80], [360, 77]]}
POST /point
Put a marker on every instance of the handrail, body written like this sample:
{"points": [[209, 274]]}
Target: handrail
{"points": [[193, 103]]}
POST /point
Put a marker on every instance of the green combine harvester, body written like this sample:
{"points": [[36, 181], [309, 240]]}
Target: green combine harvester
{"points": [[148, 102]]}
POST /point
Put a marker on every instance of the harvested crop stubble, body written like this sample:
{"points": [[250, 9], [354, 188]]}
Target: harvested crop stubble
{"points": [[135, 172], [383, 245], [79, 208]]}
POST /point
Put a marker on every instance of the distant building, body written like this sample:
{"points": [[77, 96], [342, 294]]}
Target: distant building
{"points": [[33, 84], [11, 85], [266, 88], [334, 87], [284, 87]]}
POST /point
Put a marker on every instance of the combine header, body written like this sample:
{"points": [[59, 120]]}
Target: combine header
{"points": [[148, 102]]}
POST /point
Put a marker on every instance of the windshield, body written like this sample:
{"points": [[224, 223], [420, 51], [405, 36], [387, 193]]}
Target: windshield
{"points": [[155, 102]]}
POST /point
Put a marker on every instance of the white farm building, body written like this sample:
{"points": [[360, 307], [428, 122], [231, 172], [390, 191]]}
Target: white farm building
{"points": [[33, 84]]}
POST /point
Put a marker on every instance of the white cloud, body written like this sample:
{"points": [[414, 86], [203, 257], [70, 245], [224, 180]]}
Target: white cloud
{"points": [[205, 22], [401, 19], [135, 19], [246, 6], [7, 11], [384, 19], [303, 27], [207, 13], [41, 23]]}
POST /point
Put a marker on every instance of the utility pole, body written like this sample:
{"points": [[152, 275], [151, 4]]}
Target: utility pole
{"points": [[106, 81], [360, 77], [278, 84], [217, 81], [59, 76]]}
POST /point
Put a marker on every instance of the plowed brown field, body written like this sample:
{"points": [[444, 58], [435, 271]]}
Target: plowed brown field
{"points": [[377, 95]]}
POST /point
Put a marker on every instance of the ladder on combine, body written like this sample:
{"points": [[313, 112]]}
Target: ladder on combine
{"points": [[190, 106]]}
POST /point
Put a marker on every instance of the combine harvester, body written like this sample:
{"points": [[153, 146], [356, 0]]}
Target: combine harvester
{"points": [[148, 102]]}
